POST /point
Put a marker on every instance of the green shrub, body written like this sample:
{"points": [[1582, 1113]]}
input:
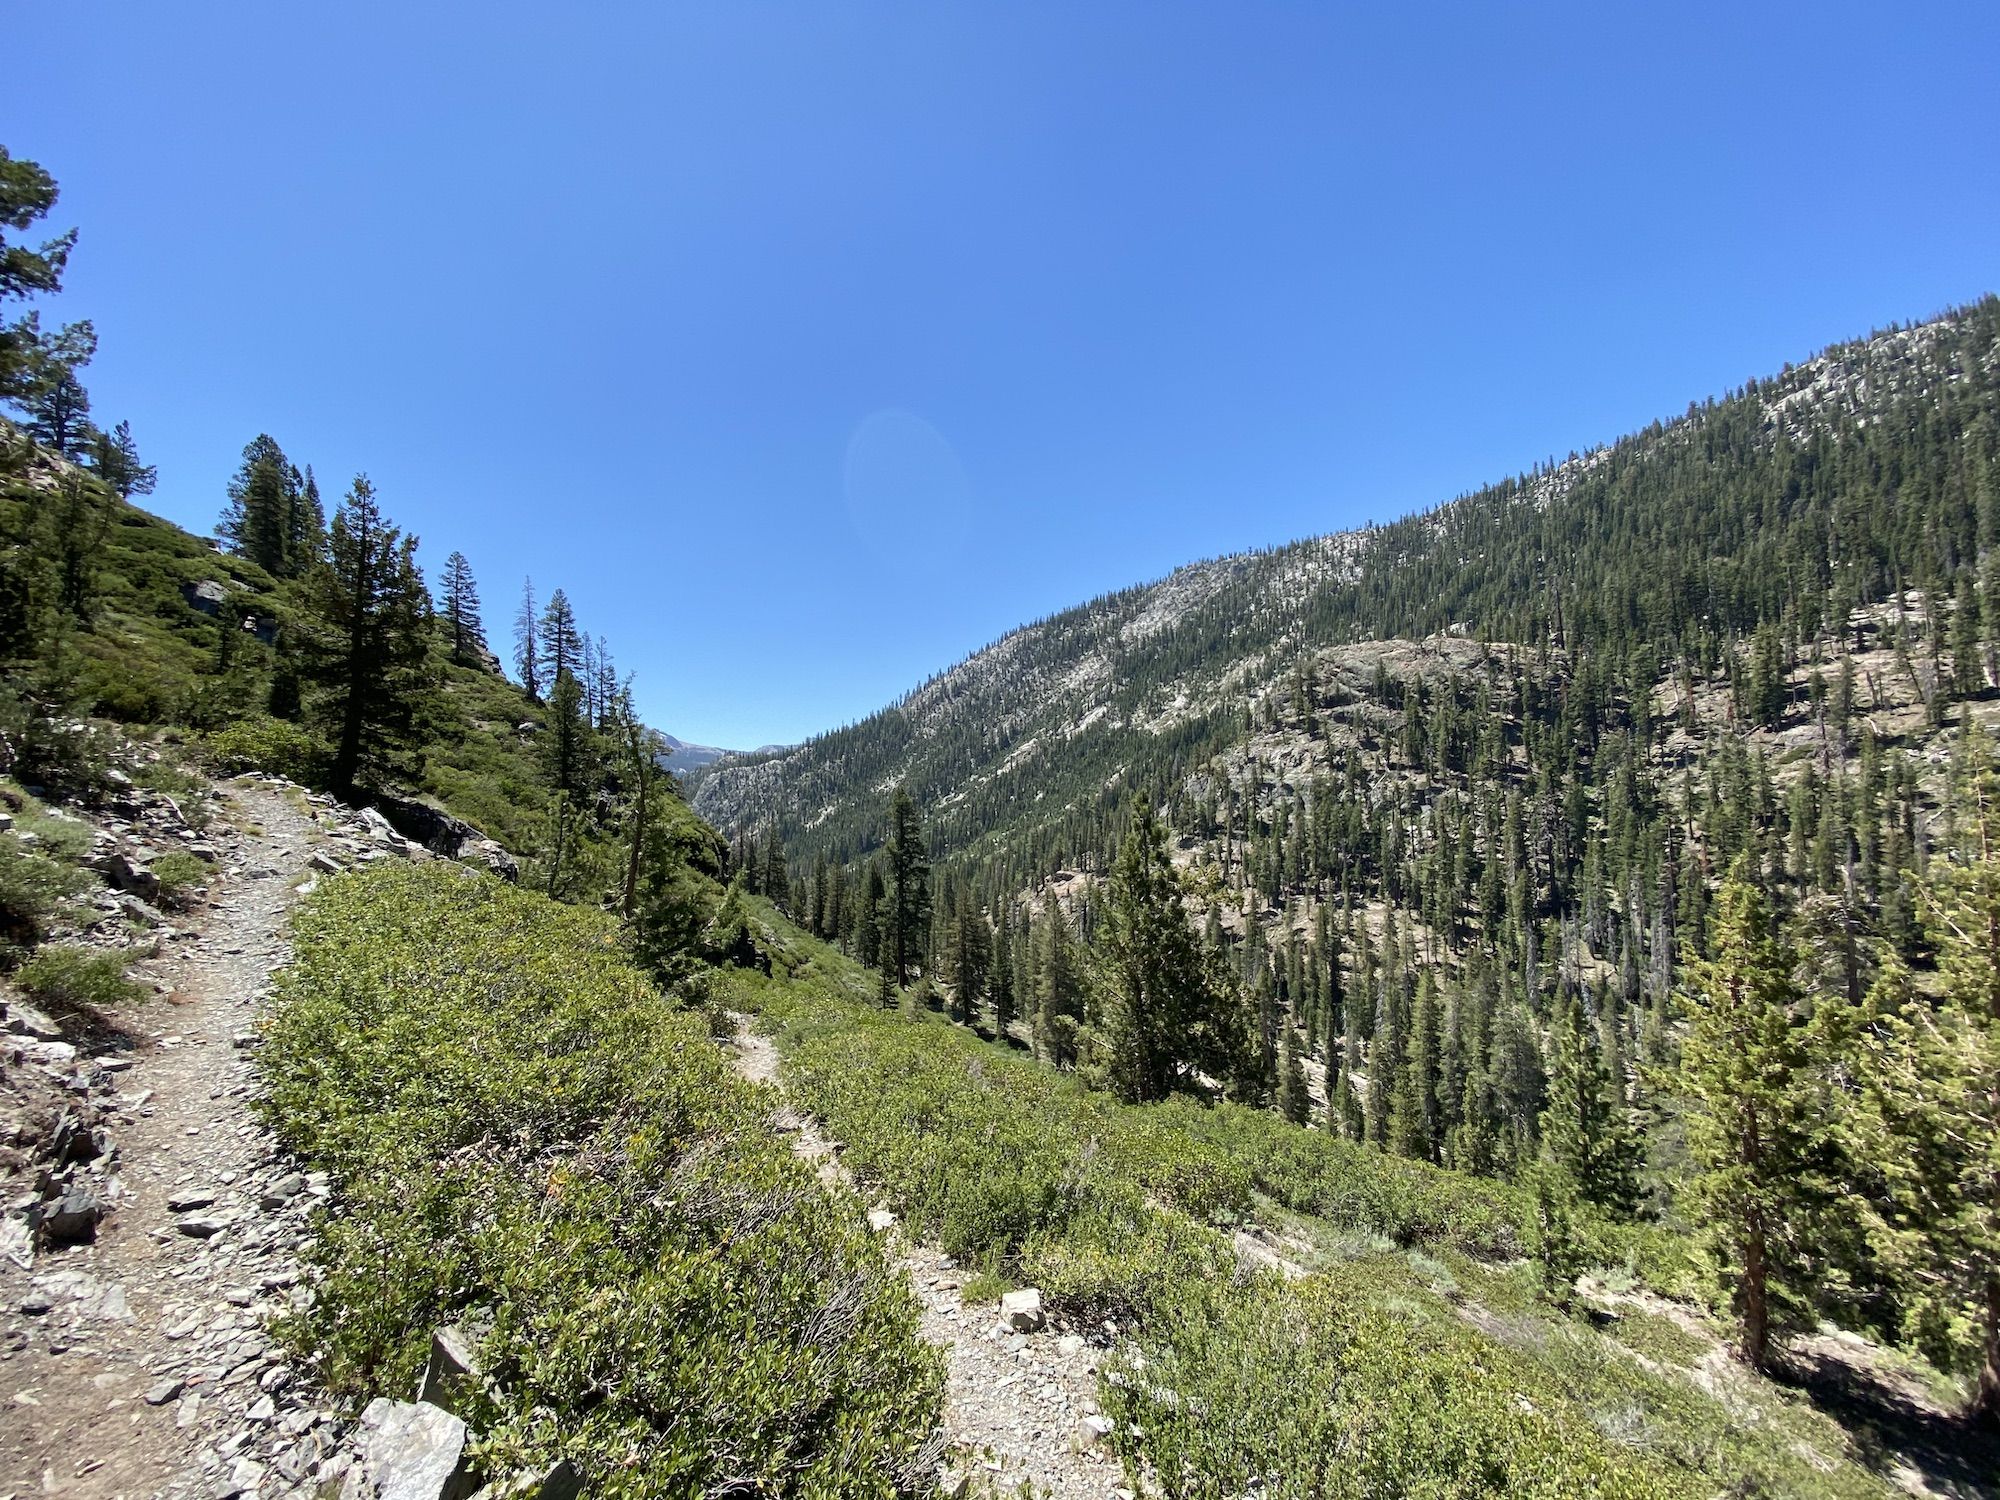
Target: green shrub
{"points": [[180, 873], [32, 889], [1357, 1187], [520, 1126], [1312, 1389], [261, 743], [65, 756], [67, 977]]}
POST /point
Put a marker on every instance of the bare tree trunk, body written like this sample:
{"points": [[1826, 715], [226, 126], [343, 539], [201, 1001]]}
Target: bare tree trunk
{"points": [[1756, 1303]]}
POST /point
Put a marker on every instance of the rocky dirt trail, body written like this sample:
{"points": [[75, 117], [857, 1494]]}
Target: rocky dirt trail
{"points": [[1020, 1403], [139, 1364]]}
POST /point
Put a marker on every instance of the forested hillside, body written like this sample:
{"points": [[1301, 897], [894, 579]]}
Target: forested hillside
{"points": [[1491, 819], [1788, 503], [1499, 1003]]}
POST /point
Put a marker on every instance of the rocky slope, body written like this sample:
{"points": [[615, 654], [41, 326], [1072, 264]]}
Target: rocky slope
{"points": [[1055, 717]]}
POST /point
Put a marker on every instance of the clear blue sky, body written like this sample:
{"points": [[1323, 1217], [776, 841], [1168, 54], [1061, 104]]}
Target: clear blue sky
{"points": [[812, 346]]}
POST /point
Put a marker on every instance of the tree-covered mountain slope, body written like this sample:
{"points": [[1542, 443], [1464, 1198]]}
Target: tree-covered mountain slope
{"points": [[1783, 503]]}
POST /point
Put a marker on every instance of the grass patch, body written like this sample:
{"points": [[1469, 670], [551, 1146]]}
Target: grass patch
{"points": [[68, 979]]}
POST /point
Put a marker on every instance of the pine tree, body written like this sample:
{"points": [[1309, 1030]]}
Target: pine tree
{"points": [[1585, 1130], [366, 618], [1001, 983], [27, 193], [257, 522], [1167, 1007], [607, 675], [1059, 992], [775, 879], [527, 663], [114, 459], [1742, 1067], [71, 530], [305, 532], [909, 886], [561, 643], [867, 936], [968, 961], [59, 414], [1294, 1101], [1930, 1070], [461, 610], [564, 744], [1554, 1244]]}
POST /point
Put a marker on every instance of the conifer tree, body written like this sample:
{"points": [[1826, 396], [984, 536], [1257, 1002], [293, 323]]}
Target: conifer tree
{"points": [[1294, 1101], [1930, 1123], [908, 887], [58, 412], [461, 610], [527, 661], [366, 618], [114, 459], [258, 520], [70, 533], [1585, 1130], [1059, 991], [27, 193], [1742, 1066], [561, 643], [1001, 982], [968, 960], [867, 936], [305, 532], [1167, 1007], [775, 879], [564, 743]]}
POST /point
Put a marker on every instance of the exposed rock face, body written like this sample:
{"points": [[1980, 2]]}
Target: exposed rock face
{"points": [[441, 833], [207, 596]]}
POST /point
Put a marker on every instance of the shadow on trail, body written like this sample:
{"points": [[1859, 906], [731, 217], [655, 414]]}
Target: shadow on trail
{"points": [[1895, 1428]]}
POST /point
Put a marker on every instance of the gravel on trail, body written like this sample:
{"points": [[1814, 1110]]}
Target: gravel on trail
{"points": [[139, 1363]]}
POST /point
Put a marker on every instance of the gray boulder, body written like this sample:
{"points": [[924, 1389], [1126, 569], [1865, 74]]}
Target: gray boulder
{"points": [[453, 1368], [446, 836], [71, 1217], [207, 596], [131, 873], [410, 1451], [24, 1020], [1022, 1310]]}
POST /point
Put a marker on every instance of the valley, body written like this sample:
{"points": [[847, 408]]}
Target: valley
{"points": [[1499, 1003]]}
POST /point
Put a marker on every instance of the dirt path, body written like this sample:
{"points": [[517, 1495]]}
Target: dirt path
{"points": [[139, 1365], [1016, 1405]]}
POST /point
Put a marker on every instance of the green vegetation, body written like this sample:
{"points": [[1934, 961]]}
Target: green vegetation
{"points": [[33, 888], [1415, 838], [1440, 1368], [1450, 803], [68, 979], [180, 875], [522, 1130]]}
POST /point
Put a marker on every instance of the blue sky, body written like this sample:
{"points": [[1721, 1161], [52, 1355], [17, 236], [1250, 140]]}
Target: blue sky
{"points": [[811, 347]]}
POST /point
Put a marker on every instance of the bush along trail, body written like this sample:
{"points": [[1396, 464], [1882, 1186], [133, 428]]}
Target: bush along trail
{"points": [[154, 1226]]}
